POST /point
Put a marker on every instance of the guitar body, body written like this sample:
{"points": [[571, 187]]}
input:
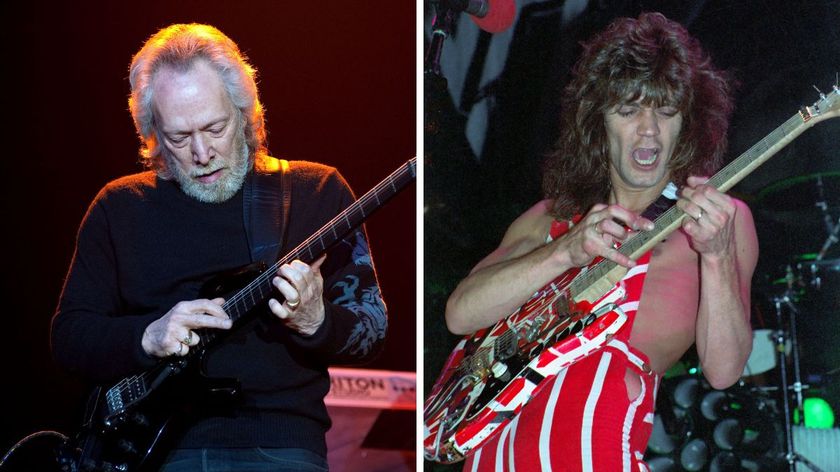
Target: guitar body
{"points": [[491, 375], [133, 424]]}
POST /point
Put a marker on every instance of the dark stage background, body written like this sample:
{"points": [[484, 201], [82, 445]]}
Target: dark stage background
{"points": [[486, 134], [338, 82]]}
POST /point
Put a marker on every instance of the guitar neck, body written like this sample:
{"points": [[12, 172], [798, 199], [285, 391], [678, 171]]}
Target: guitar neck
{"points": [[260, 289], [596, 281]]}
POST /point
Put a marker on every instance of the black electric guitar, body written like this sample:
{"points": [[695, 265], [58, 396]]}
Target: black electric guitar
{"points": [[127, 424]]}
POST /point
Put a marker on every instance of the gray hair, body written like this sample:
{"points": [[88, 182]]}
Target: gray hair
{"points": [[179, 46]]}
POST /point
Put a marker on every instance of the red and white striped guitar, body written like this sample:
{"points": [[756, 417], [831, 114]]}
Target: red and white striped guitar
{"points": [[492, 374]]}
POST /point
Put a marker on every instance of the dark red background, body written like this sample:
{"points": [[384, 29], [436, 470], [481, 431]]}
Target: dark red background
{"points": [[337, 79]]}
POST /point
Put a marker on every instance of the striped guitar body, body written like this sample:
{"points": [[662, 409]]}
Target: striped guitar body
{"points": [[491, 375]]}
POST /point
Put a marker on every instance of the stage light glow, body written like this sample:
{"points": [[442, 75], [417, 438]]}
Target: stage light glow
{"points": [[818, 413]]}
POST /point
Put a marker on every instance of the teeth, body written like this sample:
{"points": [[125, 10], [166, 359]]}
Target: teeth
{"points": [[650, 160]]}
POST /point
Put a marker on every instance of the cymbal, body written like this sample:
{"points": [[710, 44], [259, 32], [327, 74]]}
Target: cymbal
{"points": [[796, 200]]}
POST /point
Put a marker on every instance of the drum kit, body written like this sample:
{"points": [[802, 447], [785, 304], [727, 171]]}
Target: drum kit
{"points": [[793, 355]]}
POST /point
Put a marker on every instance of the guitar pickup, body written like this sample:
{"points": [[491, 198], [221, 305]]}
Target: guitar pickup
{"points": [[506, 345]]}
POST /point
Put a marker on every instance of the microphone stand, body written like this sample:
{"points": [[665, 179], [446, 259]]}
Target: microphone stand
{"points": [[441, 29], [434, 83]]}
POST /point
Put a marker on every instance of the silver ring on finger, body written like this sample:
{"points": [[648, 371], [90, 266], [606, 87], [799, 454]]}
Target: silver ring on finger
{"points": [[700, 215], [180, 349], [187, 341]]}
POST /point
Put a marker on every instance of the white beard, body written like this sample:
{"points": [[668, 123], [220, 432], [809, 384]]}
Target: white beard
{"points": [[222, 189]]}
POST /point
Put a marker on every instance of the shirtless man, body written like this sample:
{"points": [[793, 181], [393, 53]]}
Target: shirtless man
{"points": [[645, 107]]}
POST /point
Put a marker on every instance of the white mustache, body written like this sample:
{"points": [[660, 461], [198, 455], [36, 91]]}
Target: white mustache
{"points": [[204, 172]]}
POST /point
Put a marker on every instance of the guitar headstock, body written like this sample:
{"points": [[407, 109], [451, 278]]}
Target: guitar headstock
{"points": [[828, 106]]}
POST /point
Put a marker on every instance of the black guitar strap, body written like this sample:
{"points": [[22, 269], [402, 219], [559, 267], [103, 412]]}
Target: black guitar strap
{"points": [[266, 207], [665, 201]]}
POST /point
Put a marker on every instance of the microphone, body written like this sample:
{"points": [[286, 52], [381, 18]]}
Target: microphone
{"points": [[492, 16]]}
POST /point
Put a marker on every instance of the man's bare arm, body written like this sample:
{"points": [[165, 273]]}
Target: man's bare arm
{"points": [[727, 260], [523, 263]]}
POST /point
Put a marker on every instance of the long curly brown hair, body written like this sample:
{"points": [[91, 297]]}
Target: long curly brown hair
{"points": [[652, 58]]}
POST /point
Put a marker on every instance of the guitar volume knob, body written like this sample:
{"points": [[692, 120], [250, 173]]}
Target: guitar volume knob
{"points": [[499, 370]]}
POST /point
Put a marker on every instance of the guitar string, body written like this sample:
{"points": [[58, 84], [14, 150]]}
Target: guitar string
{"points": [[358, 206], [264, 278], [547, 305]]}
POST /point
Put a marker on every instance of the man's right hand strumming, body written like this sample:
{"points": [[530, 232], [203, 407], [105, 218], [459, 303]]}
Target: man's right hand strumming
{"points": [[173, 334]]}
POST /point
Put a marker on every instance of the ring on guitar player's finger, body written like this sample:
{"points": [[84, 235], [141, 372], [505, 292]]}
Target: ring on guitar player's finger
{"points": [[187, 339], [180, 349]]}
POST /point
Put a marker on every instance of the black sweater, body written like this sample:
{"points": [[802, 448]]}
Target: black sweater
{"points": [[144, 245]]}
